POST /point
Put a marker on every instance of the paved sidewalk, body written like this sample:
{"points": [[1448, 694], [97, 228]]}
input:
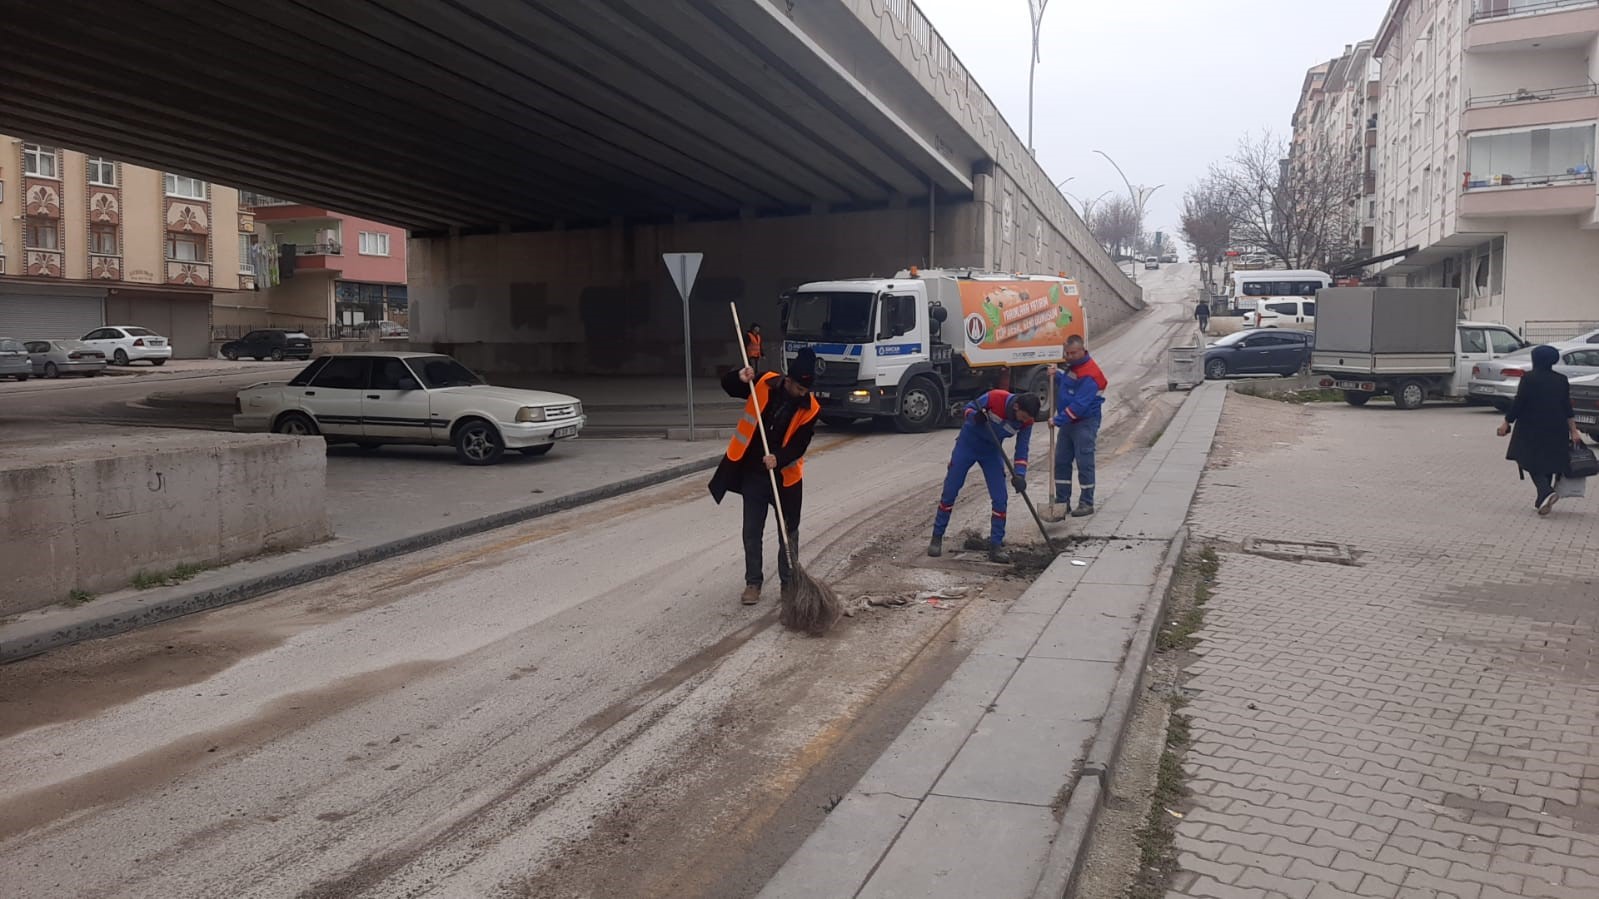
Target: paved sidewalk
{"points": [[989, 791], [1422, 723]]}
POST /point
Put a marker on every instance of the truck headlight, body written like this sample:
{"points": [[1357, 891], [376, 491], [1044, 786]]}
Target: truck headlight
{"points": [[530, 414], [577, 409], [860, 396]]}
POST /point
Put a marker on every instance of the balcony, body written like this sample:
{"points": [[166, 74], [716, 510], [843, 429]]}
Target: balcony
{"points": [[1568, 193], [317, 256], [1509, 25], [1528, 108]]}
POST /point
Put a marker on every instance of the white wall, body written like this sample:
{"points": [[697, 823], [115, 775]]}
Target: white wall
{"points": [[1551, 272], [1503, 73]]}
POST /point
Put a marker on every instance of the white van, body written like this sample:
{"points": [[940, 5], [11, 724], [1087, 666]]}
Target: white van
{"points": [[1282, 314], [1250, 289]]}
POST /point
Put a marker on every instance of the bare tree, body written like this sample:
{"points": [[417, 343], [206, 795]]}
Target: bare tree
{"points": [[1115, 224], [1296, 209], [1207, 223]]}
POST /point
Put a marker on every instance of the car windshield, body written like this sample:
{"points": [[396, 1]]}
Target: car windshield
{"points": [[844, 316], [442, 371], [141, 332], [12, 346]]}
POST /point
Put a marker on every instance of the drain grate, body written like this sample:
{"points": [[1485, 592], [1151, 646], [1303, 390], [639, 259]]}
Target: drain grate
{"points": [[1298, 551]]}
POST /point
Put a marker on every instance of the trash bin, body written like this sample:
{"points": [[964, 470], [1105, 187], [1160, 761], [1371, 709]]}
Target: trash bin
{"points": [[1185, 367]]}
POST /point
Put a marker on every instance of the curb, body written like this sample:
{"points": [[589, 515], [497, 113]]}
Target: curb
{"points": [[1077, 822], [112, 622]]}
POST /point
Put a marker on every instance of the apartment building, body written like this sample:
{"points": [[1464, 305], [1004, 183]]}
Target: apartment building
{"points": [[319, 270], [1336, 122], [1486, 156], [86, 241]]}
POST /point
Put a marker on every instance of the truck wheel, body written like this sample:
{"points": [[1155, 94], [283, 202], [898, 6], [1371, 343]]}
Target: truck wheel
{"points": [[920, 406], [1356, 397], [1410, 394]]}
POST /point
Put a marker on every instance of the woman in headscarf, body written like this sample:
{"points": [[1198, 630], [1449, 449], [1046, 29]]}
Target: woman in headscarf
{"points": [[1545, 425]]}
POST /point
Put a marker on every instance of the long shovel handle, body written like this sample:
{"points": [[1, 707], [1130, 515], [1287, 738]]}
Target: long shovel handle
{"points": [[760, 426], [1011, 469]]}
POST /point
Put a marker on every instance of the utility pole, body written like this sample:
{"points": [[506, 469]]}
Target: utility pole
{"points": [[1139, 197], [1036, 10]]}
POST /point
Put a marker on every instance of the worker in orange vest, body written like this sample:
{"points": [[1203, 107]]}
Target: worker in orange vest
{"points": [[752, 345], [789, 412]]}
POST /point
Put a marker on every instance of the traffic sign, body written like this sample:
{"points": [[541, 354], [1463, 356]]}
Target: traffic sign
{"points": [[684, 268]]}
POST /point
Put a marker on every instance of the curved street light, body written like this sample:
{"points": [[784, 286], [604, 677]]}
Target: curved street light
{"points": [[1139, 197], [1036, 10]]}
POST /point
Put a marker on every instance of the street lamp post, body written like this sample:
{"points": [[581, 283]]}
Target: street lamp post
{"points": [[1139, 198], [1036, 9]]}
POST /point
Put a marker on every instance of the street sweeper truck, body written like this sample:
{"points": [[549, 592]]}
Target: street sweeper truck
{"points": [[918, 346]]}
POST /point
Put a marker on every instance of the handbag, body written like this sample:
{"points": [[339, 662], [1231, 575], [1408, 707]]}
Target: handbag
{"points": [[1571, 488], [1581, 463]]}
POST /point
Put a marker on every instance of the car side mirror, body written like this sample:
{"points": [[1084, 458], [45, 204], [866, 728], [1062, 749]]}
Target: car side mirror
{"points": [[409, 384]]}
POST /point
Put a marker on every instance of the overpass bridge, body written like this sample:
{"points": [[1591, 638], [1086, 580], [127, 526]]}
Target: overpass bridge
{"points": [[544, 153]]}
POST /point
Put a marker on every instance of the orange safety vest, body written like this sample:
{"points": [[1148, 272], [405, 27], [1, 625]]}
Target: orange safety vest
{"points": [[759, 392], [752, 342]]}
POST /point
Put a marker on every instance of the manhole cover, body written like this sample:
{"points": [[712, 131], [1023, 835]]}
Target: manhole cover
{"points": [[1297, 551]]}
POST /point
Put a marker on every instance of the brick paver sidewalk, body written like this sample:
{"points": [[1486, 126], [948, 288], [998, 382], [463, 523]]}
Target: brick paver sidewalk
{"points": [[1422, 723]]}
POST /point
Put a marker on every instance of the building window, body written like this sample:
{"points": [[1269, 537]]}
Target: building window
{"points": [[102, 171], [42, 234], [374, 243], [1538, 156], [186, 248], [246, 260], [186, 187], [40, 161], [103, 240]]}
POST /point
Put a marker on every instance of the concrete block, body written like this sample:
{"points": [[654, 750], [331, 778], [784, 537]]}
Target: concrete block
{"points": [[89, 514], [1024, 757], [1132, 563], [839, 855], [1094, 625], [1014, 634], [912, 763], [961, 848]]}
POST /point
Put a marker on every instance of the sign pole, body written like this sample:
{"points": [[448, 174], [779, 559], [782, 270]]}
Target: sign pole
{"points": [[684, 268]]}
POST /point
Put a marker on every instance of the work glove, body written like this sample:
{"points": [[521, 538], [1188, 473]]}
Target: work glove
{"points": [[1019, 482]]}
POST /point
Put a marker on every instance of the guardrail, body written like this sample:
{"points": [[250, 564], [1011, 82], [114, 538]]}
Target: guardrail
{"points": [[1556, 331], [1499, 9], [926, 36], [1569, 177], [1526, 95]]}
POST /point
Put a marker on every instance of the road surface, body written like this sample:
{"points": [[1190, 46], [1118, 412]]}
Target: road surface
{"points": [[575, 707]]}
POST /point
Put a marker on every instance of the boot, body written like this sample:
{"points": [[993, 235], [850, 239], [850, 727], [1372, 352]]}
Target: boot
{"points": [[751, 595], [1083, 510], [998, 553], [935, 547]]}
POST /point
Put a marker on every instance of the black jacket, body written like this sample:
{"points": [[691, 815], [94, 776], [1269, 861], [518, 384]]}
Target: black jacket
{"points": [[1541, 413], [728, 477]]}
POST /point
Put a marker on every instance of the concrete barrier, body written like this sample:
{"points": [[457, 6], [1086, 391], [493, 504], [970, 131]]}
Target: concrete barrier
{"points": [[89, 513]]}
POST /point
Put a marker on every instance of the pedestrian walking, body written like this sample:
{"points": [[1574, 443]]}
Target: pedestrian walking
{"points": [[1545, 426], [990, 420], [1079, 399], [789, 410], [1202, 314], [752, 345]]}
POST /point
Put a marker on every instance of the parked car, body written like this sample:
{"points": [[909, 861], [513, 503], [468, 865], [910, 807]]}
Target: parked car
{"points": [[1585, 404], [371, 399], [379, 330], [127, 344], [14, 361], [276, 344], [1495, 381], [1151, 262], [1273, 351], [1170, 258], [1284, 313], [54, 358]]}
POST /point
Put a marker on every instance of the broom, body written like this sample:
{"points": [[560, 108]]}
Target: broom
{"points": [[809, 605]]}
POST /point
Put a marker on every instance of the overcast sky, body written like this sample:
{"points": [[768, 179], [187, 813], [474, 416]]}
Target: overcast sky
{"points": [[1163, 86]]}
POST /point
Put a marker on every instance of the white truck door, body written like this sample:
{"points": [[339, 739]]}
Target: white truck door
{"points": [[1471, 347]]}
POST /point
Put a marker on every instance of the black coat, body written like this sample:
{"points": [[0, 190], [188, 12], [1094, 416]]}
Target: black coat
{"points": [[728, 477], [1541, 414]]}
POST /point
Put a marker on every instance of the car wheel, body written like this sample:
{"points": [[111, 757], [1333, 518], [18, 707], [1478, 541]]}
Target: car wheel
{"points": [[296, 424], [120, 357], [50, 370], [1216, 369], [231, 355], [478, 443], [538, 450], [1356, 397], [277, 355], [1410, 394], [158, 362], [919, 407]]}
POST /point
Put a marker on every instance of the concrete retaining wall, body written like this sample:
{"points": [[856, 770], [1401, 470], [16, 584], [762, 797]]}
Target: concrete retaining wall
{"points": [[88, 513]]}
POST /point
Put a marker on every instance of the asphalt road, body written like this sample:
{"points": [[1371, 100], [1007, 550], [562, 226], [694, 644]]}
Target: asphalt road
{"points": [[575, 707]]}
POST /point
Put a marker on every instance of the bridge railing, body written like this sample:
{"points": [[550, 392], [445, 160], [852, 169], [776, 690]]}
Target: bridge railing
{"points": [[925, 36]]}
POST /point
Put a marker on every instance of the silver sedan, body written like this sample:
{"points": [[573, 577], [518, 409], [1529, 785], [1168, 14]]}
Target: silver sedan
{"points": [[1495, 381], [14, 362], [54, 358]]}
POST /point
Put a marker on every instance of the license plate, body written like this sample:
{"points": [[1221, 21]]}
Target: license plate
{"points": [[1481, 388], [1586, 419], [563, 433], [823, 395], [1366, 386], [158, 343]]}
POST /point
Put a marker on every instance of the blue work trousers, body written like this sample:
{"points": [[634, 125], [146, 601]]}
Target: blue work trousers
{"points": [[971, 448], [1076, 445]]}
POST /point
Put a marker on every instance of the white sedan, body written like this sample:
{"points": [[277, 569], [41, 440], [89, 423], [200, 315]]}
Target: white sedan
{"points": [[370, 399], [127, 344]]}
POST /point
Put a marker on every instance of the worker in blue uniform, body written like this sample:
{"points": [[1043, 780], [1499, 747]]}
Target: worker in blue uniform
{"points": [[1001, 414]]}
